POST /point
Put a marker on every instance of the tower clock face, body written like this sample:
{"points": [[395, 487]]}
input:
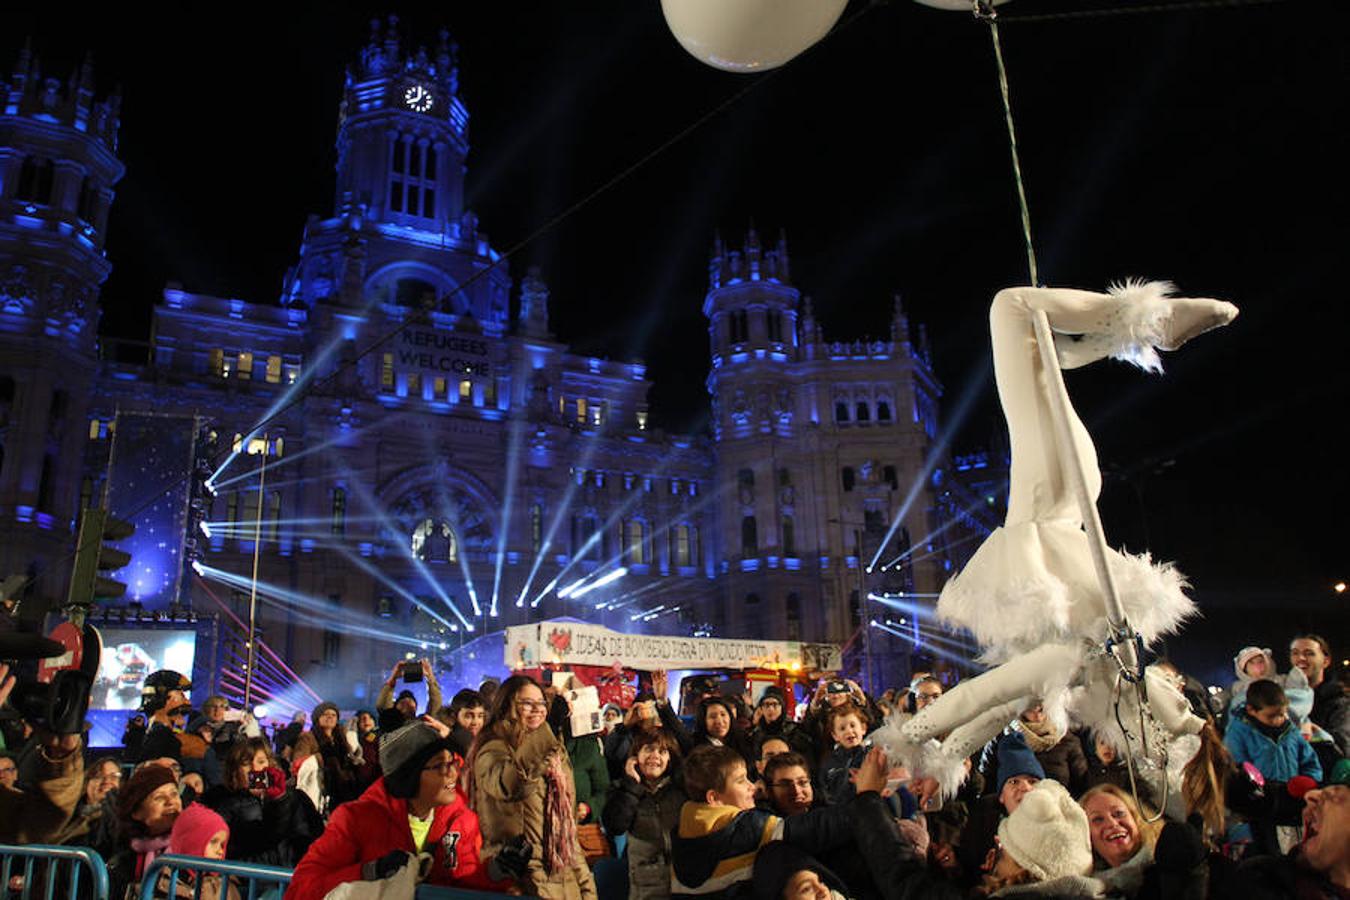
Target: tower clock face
{"points": [[418, 98]]}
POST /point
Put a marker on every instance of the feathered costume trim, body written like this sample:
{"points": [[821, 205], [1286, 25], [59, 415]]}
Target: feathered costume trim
{"points": [[1140, 331], [1033, 583]]}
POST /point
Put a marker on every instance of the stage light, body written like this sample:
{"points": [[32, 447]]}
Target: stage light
{"points": [[261, 712], [197, 567], [1339, 587], [206, 529]]}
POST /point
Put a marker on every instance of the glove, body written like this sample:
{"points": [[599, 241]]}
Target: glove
{"points": [[512, 860], [379, 869]]}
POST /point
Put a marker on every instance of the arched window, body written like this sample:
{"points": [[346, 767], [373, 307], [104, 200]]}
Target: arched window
{"points": [[339, 523], [749, 536], [273, 515], [794, 616], [863, 413], [884, 412], [889, 476], [434, 541], [536, 527], [848, 478], [35, 180], [841, 411], [683, 557], [635, 542], [414, 292], [789, 537]]}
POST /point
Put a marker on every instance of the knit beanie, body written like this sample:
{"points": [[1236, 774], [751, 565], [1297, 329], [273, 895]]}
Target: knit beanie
{"points": [[403, 753], [195, 826], [139, 786], [1245, 656], [774, 692], [1016, 758], [405, 694], [321, 708], [1048, 833]]}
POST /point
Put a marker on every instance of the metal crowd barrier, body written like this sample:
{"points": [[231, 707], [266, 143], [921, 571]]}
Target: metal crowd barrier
{"points": [[254, 882], [58, 875]]}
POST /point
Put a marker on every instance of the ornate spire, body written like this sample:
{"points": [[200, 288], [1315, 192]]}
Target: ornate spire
{"points": [[810, 333], [899, 321], [534, 305]]}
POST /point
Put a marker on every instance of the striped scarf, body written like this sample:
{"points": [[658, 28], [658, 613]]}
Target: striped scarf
{"points": [[560, 815]]}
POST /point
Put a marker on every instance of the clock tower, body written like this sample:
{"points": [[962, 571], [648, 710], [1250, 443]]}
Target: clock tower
{"points": [[403, 133]]}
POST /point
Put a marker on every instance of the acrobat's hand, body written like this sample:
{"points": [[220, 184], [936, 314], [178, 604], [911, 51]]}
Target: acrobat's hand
{"points": [[924, 790]]}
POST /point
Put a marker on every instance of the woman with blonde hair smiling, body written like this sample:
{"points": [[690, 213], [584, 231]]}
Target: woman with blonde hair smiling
{"points": [[1122, 837]]}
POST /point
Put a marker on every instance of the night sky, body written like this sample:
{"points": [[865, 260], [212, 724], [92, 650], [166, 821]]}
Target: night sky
{"points": [[1205, 147]]}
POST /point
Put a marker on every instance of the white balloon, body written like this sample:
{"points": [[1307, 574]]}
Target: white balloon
{"points": [[749, 35], [955, 5]]}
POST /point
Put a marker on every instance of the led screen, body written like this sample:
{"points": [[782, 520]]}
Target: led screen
{"points": [[129, 655]]}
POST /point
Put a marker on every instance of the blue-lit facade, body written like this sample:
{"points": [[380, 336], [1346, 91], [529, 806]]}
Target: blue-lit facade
{"points": [[437, 464]]}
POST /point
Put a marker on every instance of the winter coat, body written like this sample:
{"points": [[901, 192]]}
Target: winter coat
{"points": [[308, 774], [896, 870], [835, 783], [1331, 710], [647, 814], [1280, 878], [273, 830], [589, 774], [54, 790], [1064, 760], [510, 797], [160, 741], [797, 738], [340, 761], [713, 847], [1278, 759], [368, 770], [375, 824]]}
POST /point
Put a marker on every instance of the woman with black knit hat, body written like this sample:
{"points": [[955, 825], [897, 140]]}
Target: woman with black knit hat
{"points": [[412, 824], [341, 758]]}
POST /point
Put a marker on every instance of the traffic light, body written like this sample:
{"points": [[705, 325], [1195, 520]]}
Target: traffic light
{"points": [[92, 558]]}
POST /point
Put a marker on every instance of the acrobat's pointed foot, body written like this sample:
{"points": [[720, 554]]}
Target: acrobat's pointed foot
{"points": [[1190, 317]]}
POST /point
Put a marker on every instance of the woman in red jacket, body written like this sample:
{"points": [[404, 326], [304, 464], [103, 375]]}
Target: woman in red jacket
{"points": [[414, 815]]}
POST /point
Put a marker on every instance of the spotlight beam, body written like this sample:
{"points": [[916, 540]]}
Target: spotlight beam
{"points": [[564, 508], [935, 455], [262, 644]]}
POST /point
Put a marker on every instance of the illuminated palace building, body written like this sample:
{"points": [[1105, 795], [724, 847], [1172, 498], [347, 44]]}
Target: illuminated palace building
{"points": [[433, 467]]}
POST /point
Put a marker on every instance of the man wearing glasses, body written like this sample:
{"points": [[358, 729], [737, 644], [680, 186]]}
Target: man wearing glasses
{"points": [[788, 778]]}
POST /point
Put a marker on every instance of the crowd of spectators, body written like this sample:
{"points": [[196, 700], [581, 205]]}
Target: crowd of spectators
{"points": [[751, 795]]}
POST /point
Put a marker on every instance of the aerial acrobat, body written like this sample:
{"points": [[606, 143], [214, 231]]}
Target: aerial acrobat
{"points": [[1030, 594]]}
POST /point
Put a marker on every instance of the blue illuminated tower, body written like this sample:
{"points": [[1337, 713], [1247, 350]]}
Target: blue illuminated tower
{"points": [[821, 449], [58, 166], [400, 234]]}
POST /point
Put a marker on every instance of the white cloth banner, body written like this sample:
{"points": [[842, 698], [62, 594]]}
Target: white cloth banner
{"points": [[576, 643]]}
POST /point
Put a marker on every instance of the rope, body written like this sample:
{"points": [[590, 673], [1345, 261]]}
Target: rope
{"points": [[1143, 9], [984, 10]]}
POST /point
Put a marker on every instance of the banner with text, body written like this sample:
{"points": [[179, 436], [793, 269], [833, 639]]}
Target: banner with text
{"points": [[577, 643], [445, 353]]}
